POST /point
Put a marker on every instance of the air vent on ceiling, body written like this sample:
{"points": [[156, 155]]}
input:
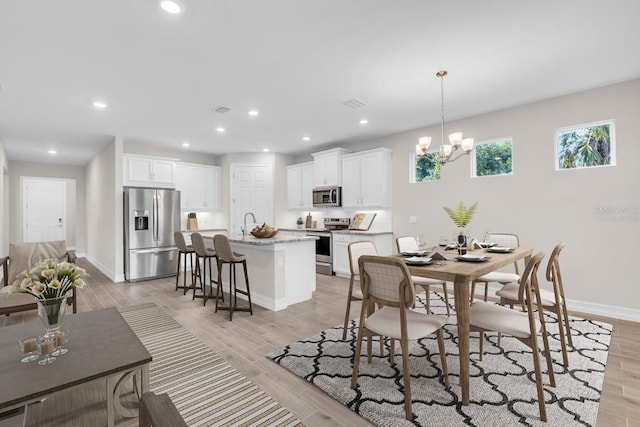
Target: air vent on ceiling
{"points": [[354, 103], [221, 109]]}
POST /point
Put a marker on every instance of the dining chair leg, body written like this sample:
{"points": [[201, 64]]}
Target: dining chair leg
{"points": [[566, 322], [538, 373], [356, 359], [404, 345], [428, 298], [561, 331], [473, 292], [443, 357], [446, 298], [392, 351], [348, 310], [481, 344]]}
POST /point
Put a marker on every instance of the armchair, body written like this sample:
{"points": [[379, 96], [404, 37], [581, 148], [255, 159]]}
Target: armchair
{"points": [[21, 256]]}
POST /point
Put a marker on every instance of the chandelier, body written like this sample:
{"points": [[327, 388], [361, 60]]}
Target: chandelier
{"points": [[455, 139]]}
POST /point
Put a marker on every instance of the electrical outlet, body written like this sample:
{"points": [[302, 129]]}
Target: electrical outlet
{"points": [[413, 219]]}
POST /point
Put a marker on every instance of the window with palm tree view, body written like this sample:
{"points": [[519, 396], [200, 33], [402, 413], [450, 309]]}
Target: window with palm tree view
{"points": [[492, 158], [585, 146]]}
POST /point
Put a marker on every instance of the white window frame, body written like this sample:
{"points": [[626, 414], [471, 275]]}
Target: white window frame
{"points": [[487, 142]]}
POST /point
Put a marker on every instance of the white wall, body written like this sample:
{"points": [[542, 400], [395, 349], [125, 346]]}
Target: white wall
{"points": [[541, 205], [4, 203], [104, 210]]}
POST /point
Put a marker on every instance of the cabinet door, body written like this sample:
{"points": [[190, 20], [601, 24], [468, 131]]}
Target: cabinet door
{"points": [[138, 170], [183, 185], [307, 184], [197, 187], [351, 182], [211, 191], [320, 170], [374, 180], [294, 187], [164, 172], [341, 255]]}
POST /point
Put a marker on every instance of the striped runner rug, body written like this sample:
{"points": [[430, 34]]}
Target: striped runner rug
{"points": [[206, 390]]}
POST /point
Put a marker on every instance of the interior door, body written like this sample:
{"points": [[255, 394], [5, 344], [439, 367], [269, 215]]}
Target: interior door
{"points": [[43, 210], [251, 191]]}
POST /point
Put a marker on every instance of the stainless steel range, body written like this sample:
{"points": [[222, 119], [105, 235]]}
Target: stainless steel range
{"points": [[324, 244]]}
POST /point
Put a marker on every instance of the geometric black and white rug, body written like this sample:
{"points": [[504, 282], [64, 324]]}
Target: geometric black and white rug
{"points": [[502, 386]]}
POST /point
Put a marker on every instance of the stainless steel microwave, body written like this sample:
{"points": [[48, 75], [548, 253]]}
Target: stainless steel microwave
{"points": [[327, 197]]}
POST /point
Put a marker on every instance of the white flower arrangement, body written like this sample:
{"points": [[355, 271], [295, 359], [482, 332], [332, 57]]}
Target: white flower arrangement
{"points": [[50, 279]]}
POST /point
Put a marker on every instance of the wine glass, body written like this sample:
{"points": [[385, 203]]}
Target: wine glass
{"points": [[421, 241], [46, 345], [61, 339]]}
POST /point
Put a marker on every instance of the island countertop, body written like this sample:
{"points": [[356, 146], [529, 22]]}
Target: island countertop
{"points": [[250, 240]]}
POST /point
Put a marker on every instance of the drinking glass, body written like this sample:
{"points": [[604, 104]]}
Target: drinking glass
{"points": [[47, 345], [29, 346], [61, 339], [443, 242], [421, 241]]}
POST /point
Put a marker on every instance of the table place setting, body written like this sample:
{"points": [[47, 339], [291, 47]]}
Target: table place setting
{"points": [[418, 260], [472, 258], [499, 249]]}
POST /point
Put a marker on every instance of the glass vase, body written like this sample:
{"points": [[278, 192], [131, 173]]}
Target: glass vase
{"points": [[462, 242], [51, 312]]}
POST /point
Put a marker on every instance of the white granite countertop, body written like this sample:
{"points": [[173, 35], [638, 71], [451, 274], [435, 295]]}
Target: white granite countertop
{"points": [[250, 240], [361, 232]]}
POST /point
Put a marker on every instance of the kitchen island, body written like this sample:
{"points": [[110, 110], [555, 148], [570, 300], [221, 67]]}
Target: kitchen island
{"points": [[282, 269]]}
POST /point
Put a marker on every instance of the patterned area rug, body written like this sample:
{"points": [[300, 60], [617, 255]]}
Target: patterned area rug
{"points": [[205, 389], [502, 385]]}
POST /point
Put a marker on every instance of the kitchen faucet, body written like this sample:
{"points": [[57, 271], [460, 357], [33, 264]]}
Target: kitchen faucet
{"points": [[244, 230]]}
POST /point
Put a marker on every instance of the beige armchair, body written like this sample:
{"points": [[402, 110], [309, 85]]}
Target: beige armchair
{"points": [[21, 256]]}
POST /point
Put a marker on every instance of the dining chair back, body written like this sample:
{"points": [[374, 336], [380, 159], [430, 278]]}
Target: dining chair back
{"points": [[355, 250], [552, 301], [386, 282], [504, 240], [407, 244], [525, 326]]}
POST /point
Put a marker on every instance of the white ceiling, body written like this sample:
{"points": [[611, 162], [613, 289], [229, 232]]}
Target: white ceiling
{"points": [[295, 61]]}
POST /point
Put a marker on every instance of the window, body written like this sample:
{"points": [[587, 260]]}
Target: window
{"points": [[586, 146], [425, 168], [492, 158]]}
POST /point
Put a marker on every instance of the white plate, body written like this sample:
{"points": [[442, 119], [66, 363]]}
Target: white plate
{"points": [[412, 253], [500, 249], [418, 261], [472, 258]]}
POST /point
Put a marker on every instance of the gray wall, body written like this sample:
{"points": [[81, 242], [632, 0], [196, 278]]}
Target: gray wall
{"points": [[541, 205]]}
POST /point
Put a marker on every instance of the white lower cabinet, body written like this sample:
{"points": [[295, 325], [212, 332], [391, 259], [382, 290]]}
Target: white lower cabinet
{"points": [[383, 242]]}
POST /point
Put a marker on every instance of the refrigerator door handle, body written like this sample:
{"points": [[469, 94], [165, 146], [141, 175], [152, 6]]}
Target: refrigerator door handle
{"points": [[155, 216]]}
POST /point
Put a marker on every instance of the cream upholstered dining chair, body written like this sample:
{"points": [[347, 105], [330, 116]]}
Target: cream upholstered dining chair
{"points": [[355, 250], [409, 244], [553, 301], [386, 282], [22, 256], [499, 239], [487, 316]]}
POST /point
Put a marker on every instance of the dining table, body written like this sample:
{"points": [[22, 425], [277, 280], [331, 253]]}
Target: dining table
{"points": [[461, 274]]}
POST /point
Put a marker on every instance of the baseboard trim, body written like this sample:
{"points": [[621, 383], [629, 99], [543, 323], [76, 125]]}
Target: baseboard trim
{"points": [[104, 270]]}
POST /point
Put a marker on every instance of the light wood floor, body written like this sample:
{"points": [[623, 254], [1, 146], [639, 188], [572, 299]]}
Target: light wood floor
{"points": [[245, 342]]}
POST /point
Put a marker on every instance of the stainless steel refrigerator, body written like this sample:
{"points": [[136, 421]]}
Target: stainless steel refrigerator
{"points": [[151, 216]]}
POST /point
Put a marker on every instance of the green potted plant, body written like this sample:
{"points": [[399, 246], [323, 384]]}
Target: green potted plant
{"points": [[299, 222], [461, 217]]}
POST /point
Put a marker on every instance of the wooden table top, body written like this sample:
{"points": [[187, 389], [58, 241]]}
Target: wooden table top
{"points": [[100, 343], [449, 269]]}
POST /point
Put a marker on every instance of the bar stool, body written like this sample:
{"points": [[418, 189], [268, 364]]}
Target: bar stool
{"points": [[183, 251], [226, 255], [206, 254]]}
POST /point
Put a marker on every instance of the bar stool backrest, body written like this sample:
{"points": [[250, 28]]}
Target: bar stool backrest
{"points": [[198, 245], [181, 244], [223, 248]]}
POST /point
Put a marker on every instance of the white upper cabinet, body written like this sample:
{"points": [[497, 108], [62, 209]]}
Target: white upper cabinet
{"points": [[327, 166], [143, 171], [366, 179], [300, 183], [199, 186]]}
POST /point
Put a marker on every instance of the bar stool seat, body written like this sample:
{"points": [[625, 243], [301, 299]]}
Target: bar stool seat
{"points": [[206, 254], [183, 251], [225, 255]]}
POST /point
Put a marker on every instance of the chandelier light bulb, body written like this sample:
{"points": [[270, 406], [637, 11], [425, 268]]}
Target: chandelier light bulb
{"points": [[467, 144], [455, 138]]}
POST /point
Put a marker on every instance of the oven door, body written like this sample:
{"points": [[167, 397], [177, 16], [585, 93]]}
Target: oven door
{"points": [[323, 247]]}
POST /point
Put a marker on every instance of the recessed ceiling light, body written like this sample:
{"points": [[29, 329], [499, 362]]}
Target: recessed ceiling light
{"points": [[52, 152], [99, 104], [186, 144], [265, 150], [305, 138], [170, 6], [253, 113], [364, 121], [220, 129]]}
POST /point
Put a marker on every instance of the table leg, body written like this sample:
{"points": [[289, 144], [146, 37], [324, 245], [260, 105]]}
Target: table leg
{"points": [[461, 293], [111, 386]]}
